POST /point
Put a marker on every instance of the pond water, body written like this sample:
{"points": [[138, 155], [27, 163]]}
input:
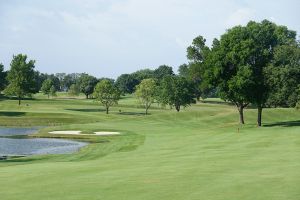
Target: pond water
{"points": [[4, 131], [34, 146]]}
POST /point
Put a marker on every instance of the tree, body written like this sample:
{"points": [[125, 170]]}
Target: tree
{"points": [[263, 39], [227, 68], [20, 77], [74, 90], [55, 81], [298, 105], [38, 79], [53, 91], [69, 80], [176, 91], [238, 62], [46, 87], [146, 92], [107, 94], [163, 71], [143, 74], [3, 81], [87, 84], [61, 77], [283, 76], [127, 83], [183, 70], [197, 54]]}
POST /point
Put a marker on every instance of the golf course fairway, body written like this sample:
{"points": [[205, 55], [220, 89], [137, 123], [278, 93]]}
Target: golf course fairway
{"points": [[200, 152]]}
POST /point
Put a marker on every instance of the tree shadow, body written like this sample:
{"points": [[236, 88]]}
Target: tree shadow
{"points": [[11, 114], [284, 124], [216, 102], [87, 110], [133, 113]]}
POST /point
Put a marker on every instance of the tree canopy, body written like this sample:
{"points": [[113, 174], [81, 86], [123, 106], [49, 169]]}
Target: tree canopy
{"points": [[87, 84], [127, 83], [176, 91], [74, 90], [107, 94], [238, 62], [146, 93], [20, 77], [283, 76], [46, 87], [163, 71]]}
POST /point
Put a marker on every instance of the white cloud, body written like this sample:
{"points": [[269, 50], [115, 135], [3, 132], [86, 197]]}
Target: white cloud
{"points": [[240, 17], [110, 37]]}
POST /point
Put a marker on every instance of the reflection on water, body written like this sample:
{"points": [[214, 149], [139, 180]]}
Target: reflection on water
{"points": [[34, 146], [37, 146]]}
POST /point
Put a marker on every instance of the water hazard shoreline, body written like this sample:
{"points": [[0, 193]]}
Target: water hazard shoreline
{"points": [[14, 143]]}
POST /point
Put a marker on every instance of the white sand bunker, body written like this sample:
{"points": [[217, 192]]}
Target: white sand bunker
{"points": [[66, 132], [100, 133], [106, 133]]}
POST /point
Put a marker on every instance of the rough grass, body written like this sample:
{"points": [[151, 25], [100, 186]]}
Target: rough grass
{"points": [[199, 153]]}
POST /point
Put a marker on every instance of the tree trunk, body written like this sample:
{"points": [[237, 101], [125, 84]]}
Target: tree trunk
{"points": [[147, 110], [48, 96], [177, 107], [19, 98], [86, 96], [107, 109], [259, 113], [241, 112]]}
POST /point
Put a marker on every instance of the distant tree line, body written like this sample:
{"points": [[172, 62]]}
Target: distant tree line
{"points": [[23, 80], [257, 64]]}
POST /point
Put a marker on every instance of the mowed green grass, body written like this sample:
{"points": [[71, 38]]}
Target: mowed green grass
{"points": [[198, 153]]}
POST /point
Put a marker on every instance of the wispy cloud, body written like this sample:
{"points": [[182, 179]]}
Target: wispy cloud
{"points": [[110, 37], [240, 17]]}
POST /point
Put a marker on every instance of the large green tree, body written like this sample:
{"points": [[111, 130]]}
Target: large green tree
{"points": [[283, 76], [146, 93], [87, 84], [197, 54], [163, 71], [107, 94], [238, 62], [127, 83], [228, 70], [20, 77], [263, 39], [175, 91]]}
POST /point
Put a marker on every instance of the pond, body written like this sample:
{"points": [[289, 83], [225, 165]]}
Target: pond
{"points": [[34, 146], [4, 131]]}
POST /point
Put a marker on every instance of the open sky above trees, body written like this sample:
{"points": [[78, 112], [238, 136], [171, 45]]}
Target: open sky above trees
{"points": [[107, 38]]}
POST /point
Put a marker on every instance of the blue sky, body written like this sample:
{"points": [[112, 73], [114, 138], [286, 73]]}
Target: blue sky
{"points": [[109, 37]]}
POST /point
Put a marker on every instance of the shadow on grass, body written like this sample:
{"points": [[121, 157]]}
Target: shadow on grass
{"points": [[2, 97], [11, 114], [133, 113], [284, 124], [216, 102], [87, 110]]}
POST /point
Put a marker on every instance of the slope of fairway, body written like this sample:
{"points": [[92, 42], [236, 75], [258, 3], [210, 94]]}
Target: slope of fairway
{"points": [[198, 153]]}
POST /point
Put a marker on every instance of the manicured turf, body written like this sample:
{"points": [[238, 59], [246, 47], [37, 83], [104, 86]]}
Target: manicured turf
{"points": [[199, 153]]}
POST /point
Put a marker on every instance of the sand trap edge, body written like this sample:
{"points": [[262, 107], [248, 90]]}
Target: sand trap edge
{"points": [[99, 133]]}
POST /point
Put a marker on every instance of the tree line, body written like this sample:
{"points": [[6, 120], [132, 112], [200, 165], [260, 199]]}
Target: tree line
{"points": [[255, 65]]}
